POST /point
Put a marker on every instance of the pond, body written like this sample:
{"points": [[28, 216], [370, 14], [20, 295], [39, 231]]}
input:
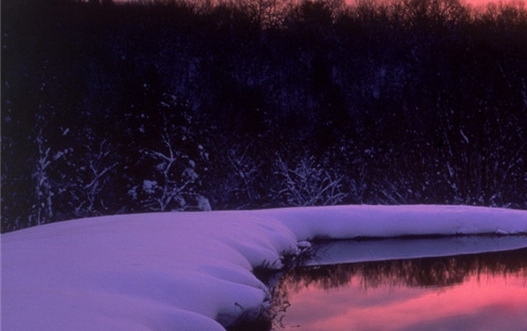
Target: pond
{"points": [[407, 284]]}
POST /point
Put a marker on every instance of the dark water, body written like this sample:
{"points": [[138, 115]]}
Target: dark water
{"points": [[476, 291]]}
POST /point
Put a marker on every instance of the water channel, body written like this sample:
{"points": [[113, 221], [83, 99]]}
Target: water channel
{"points": [[458, 283]]}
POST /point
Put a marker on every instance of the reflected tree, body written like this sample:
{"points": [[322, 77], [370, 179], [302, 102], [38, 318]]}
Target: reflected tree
{"points": [[422, 272]]}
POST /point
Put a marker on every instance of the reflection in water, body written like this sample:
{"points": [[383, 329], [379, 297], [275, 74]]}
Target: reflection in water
{"points": [[465, 292]]}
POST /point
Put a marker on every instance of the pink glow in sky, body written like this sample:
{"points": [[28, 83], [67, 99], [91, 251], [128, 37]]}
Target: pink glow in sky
{"points": [[490, 303], [475, 3]]}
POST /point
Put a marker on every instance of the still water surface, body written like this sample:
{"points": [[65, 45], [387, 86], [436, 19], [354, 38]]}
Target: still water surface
{"points": [[476, 291]]}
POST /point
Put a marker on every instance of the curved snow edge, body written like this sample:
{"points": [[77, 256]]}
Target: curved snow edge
{"points": [[163, 271], [381, 221]]}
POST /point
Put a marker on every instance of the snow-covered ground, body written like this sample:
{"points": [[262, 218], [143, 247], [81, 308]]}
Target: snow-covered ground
{"points": [[187, 271]]}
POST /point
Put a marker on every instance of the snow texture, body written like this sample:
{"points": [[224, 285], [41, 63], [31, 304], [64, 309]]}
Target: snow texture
{"points": [[187, 271]]}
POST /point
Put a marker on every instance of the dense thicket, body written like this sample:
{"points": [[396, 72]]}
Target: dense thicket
{"points": [[129, 107]]}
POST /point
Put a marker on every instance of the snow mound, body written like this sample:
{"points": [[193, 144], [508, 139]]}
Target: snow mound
{"points": [[186, 271]]}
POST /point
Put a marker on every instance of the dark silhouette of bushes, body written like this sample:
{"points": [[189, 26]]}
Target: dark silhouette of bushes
{"points": [[108, 106]]}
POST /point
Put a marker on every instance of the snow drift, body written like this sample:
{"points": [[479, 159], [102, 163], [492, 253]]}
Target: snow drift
{"points": [[187, 271]]}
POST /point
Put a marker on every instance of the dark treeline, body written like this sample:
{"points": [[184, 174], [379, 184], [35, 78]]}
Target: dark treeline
{"points": [[130, 107], [436, 272]]}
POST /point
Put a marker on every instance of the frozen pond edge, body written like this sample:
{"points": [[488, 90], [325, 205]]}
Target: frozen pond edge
{"points": [[351, 251]]}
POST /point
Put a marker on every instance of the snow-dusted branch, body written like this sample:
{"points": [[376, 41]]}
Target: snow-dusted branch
{"points": [[42, 209], [308, 184], [173, 176], [92, 172]]}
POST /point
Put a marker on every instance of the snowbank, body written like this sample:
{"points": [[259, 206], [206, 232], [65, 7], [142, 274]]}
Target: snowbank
{"points": [[340, 222], [186, 271]]}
